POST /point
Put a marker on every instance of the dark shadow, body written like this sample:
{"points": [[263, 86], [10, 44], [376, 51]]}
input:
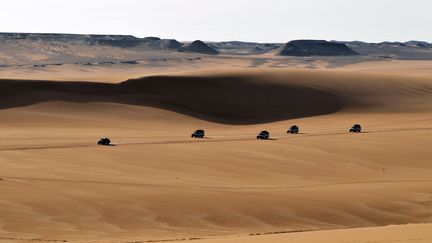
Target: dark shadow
{"points": [[228, 100]]}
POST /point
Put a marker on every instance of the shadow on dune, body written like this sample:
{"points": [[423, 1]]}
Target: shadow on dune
{"points": [[230, 100]]}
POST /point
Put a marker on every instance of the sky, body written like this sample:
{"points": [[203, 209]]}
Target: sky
{"points": [[223, 20]]}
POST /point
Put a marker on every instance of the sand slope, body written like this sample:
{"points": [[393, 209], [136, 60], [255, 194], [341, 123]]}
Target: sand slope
{"points": [[402, 233], [159, 184], [223, 99], [236, 97]]}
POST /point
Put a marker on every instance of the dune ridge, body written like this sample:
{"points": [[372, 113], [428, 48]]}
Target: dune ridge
{"points": [[229, 100], [234, 98]]}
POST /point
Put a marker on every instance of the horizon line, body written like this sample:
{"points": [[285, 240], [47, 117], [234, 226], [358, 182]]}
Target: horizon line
{"points": [[210, 41]]}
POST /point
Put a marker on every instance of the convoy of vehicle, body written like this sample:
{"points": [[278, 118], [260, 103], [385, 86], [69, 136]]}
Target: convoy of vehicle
{"points": [[263, 135]]}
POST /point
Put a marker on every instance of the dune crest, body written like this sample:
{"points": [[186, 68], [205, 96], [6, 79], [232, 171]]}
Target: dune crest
{"points": [[234, 98]]}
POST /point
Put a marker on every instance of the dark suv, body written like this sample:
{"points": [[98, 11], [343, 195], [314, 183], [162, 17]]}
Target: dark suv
{"points": [[104, 141], [355, 128], [293, 129], [263, 135], [198, 134]]}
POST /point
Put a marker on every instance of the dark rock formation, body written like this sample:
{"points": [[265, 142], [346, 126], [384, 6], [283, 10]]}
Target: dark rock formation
{"points": [[170, 44], [199, 47], [304, 48]]}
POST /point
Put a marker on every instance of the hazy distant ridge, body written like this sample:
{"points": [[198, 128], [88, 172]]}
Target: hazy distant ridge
{"points": [[57, 43]]}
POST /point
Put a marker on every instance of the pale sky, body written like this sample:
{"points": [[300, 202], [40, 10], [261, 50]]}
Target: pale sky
{"points": [[246, 20]]}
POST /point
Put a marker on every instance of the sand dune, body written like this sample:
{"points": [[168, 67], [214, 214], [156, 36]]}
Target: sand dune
{"points": [[158, 184], [221, 99], [401, 233], [235, 98]]}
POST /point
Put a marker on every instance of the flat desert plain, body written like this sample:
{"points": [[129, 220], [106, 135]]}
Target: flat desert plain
{"points": [[156, 183]]}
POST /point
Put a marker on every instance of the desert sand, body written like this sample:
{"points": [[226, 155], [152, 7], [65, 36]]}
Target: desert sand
{"points": [[157, 184], [408, 233]]}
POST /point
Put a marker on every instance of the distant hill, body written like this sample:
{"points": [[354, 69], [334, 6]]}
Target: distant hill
{"points": [[170, 44], [164, 44], [108, 40], [244, 48], [411, 50], [305, 48], [21, 48], [422, 44], [199, 47]]}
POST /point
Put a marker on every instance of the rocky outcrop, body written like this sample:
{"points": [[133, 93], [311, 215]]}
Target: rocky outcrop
{"points": [[305, 48], [199, 47]]}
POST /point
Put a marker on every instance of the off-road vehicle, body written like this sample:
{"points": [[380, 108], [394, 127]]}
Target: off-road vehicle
{"points": [[104, 141], [293, 129], [263, 135], [355, 128], [198, 134]]}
